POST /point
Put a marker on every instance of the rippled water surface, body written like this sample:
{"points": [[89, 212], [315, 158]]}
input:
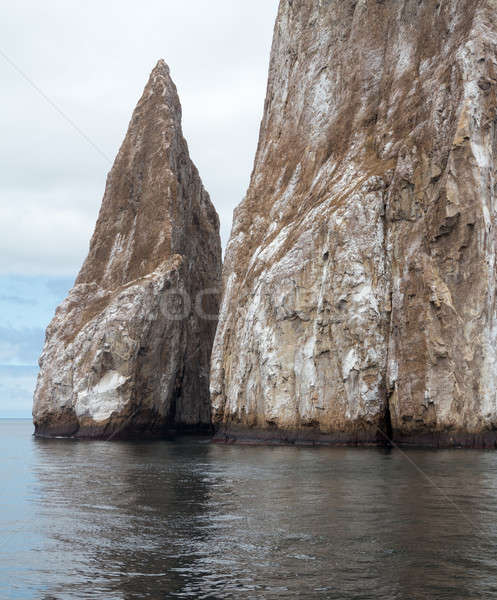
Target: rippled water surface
{"points": [[190, 519]]}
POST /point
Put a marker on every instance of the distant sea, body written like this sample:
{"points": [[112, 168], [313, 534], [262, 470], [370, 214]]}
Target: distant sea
{"points": [[192, 519]]}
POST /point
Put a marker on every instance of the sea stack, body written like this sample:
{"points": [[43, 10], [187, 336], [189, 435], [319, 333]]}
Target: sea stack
{"points": [[360, 278], [128, 350]]}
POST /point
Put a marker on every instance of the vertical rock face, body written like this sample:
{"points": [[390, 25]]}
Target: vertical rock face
{"points": [[128, 351], [360, 278]]}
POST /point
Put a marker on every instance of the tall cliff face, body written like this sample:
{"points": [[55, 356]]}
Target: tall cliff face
{"points": [[360, 278], [128, 351]]}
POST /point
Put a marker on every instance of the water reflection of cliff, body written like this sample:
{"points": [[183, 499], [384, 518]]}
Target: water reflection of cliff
{"points": [[189, 520], [123, 520]]}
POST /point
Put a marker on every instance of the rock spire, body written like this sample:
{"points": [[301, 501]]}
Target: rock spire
{"points": [[128, 350]]}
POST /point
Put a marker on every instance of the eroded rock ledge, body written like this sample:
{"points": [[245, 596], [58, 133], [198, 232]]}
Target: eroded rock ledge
{"points": [[360, 278], [118, 361]]}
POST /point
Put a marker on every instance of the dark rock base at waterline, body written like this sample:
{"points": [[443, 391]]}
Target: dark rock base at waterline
{"points": [[134, 427], [441, 439], [300, 437], [67, 426]]}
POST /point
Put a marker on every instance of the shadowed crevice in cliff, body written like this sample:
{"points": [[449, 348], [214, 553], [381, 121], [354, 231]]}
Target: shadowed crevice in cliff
{"points": [[386, 429]]}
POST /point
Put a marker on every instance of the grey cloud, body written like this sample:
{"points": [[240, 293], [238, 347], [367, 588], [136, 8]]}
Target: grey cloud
{"points": [[17, 300], [17, 386], [60, 286], [20, 346]]}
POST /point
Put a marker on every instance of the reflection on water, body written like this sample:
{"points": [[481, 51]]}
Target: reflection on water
{"points": [[195, 520]]}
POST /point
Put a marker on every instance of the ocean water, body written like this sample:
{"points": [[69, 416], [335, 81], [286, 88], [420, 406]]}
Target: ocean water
{"points": [[191, 519]]}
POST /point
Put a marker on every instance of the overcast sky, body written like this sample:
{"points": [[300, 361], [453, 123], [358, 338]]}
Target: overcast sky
{"points": [[92, 60]]}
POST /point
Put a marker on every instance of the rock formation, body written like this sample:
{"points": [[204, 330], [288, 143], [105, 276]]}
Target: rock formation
{"points": [[128, 351], [360, 278]]}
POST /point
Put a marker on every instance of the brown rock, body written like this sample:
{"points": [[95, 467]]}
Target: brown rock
{"points": [[119, 360], [360, 278]]}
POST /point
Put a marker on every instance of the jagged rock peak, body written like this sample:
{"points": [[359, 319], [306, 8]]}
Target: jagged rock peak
{"points": [[161, 67], [360, 282], [119, 359]]}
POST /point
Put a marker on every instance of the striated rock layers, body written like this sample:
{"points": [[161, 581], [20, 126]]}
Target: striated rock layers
{"points": [[360, 278], [128, 351]]}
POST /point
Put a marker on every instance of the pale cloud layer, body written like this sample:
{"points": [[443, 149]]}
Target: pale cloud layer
{"points": [[93, 59], [27, 304]]}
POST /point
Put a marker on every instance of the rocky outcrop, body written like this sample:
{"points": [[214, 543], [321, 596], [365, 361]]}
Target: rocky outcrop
{"points": [[360, 278], [128, 351]]}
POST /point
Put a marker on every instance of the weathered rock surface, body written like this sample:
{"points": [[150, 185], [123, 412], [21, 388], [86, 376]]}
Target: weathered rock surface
{"points": [[360, 278], [119, 360]]}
